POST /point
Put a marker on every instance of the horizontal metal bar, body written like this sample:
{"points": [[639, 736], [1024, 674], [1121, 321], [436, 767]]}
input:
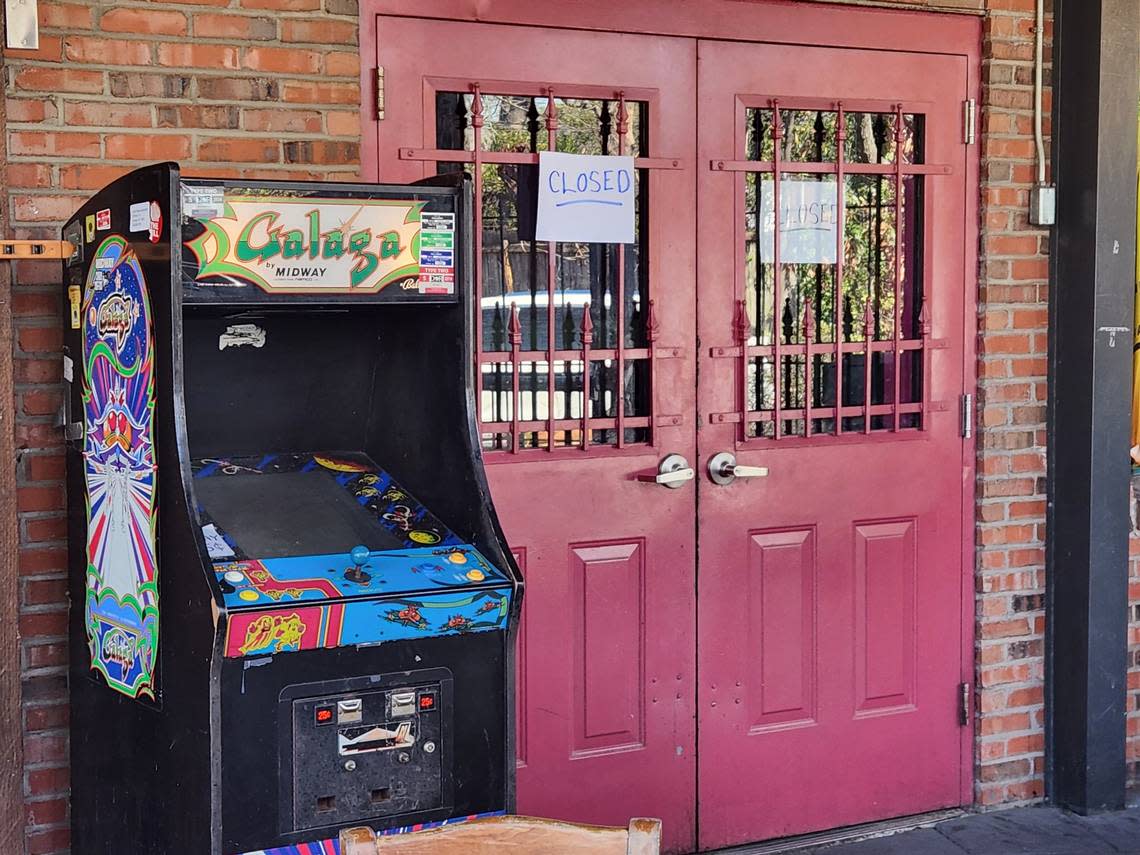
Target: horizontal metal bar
{"points": [[500, 456], [847, 347], [790, 167], [448, 155], [826, 412], [502, 357], [830, 105], [563, 424]]}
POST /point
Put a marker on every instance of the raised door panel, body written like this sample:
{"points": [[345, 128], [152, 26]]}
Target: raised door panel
{"points": [[780, 627]]}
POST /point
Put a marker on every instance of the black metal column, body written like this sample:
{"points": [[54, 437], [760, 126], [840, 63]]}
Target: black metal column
{"points": [[1090, 372]]}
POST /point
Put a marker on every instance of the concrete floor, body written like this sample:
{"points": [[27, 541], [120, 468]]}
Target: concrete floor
{"points": [[1021, 831]]}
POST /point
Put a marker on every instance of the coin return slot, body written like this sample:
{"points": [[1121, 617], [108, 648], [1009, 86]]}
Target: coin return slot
{"points": [[326, 804], [403, 703], [383, 794]]}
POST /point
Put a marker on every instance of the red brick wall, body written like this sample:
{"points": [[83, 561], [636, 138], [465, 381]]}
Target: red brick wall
{"points": [[1012, 321], [1012, 372], [248, 87], [269, 88]]}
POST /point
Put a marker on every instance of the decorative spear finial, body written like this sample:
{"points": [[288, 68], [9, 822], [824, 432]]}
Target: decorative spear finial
{"points": [[514, 328], [740, 324]]}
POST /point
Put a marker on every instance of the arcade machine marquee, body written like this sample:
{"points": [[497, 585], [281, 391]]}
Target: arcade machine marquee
{"points": [[292, 605]]}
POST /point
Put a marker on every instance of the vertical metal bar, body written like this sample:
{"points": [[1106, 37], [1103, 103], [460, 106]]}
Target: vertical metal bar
{"points": [[605, 283], [868, 336], [899, 138], [477, 203], [809, 340], [740, 330], [532, 128], [924, 330], [587, 333], [551, 276], [840, 227], [619, 343], [514, 335], [761, 290], [652, 328], [777, 279]]}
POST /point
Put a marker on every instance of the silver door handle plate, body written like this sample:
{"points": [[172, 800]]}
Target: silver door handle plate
{"points": [[723, 469]]}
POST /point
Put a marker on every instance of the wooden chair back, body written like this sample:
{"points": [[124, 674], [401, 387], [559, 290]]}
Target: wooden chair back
{"points": [[510, 835]]}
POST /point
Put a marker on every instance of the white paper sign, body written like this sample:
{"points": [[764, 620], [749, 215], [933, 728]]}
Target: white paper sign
{"points": [[216, 545], [585, 198], [808, 221]]}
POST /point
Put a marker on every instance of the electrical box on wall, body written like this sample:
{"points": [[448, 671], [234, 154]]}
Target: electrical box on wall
{"points": [[1043, 205]]}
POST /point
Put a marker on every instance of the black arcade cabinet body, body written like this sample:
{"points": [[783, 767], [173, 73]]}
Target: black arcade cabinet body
{"points": [[292, 605]]}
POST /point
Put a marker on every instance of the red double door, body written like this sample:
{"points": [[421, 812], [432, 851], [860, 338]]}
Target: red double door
{"points": [[773, 639]]}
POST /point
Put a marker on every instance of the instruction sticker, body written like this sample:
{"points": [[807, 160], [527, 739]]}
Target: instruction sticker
{"points": [[203, 203], [140, 217], [437, 253], [103, 220], [89, 223]]}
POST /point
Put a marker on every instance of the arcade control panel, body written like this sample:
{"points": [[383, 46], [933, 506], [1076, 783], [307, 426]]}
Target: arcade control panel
{"points": [[354, 756]]}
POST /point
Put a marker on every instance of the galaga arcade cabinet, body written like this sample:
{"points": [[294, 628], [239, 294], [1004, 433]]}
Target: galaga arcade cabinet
{"points": [[292, 607]]}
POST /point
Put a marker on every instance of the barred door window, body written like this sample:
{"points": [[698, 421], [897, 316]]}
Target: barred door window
{"points": [[832, 329], [564, 329]]}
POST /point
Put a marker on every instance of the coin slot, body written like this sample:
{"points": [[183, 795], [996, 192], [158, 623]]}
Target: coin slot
{"points": [[381, 794], [326, 804]]}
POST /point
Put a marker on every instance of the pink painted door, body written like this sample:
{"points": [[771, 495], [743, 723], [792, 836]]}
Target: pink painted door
{"points": [[832, 569], [586, 381]]}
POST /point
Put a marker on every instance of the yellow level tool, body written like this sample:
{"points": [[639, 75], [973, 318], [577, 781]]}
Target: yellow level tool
{"points": [[36, 249]]}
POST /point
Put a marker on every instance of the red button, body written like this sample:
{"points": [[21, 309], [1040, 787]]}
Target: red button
{"points": [[324, 715], [427, 702]]}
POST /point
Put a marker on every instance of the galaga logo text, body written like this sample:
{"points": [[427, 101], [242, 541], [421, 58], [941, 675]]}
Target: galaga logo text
{"points": [[308, 245]]}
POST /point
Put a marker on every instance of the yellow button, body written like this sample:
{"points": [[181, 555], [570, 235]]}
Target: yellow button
{"points": [[476, 575], [457, 558], [248, 595]]}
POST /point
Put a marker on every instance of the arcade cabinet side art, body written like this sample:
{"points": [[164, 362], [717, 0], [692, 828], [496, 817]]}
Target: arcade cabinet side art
{"points": [[121, 610]]}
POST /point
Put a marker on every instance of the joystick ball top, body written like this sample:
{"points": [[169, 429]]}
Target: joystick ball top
{"points": [[359, 554]]}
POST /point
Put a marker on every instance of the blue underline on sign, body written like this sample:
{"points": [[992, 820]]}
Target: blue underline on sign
{"points": [[586, 202]]}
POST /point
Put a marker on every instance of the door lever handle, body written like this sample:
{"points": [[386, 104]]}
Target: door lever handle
{"points": [[673, 472], [723, 469]]}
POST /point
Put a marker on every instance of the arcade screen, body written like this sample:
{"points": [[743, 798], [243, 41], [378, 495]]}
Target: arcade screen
{"points": [[278, 514]]}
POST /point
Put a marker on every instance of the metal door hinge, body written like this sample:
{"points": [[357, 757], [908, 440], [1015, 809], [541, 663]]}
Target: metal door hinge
{"points": [[967, 415], [963, 704], [971, 120], [379, 93]]}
